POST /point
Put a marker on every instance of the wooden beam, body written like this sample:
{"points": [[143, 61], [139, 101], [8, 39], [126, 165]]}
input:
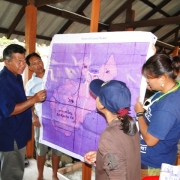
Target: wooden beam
{"points": [[16, 21], [146, 23], [20, 2], [70, 15], [175, 43], [39, 3], [5, 31], [170, 33], [153, 6], [78, 11], [165, 45], [118, 12], [155, 9], [159, 27], [176, 36]]}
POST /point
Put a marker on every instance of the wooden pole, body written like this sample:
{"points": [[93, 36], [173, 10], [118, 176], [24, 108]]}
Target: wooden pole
{"points": [[30, 43], [95, 15], [87, 169], [132, 19], [176, 50]]}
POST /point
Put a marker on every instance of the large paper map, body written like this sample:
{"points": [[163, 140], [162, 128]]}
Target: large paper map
{"points": [[70, 120]]}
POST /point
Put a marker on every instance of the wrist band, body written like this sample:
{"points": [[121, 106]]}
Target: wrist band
{"points": [[139, 114]]}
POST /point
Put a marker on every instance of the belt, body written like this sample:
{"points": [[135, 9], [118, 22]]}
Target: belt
{"points": [[143, 166]]}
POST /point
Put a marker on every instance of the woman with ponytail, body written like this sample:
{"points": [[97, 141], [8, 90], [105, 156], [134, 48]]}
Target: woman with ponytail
{"points": [[159, 116], [118, 155]]}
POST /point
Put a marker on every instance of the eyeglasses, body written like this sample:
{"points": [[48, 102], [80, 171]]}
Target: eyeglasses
{"points": [[149, 101]]}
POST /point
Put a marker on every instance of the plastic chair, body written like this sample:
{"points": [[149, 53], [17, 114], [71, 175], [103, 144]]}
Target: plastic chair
{"points": [[151, 178]]}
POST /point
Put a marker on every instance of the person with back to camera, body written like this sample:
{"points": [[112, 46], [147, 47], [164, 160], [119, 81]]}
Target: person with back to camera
{"points": [[176, 66], [15, 113], [35, 84], [118, 155], [159, 116]]}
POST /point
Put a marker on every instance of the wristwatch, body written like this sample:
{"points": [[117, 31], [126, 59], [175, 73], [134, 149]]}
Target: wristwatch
{"points": [[139, 114]]}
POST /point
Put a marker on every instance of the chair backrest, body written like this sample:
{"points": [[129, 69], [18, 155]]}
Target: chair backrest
{"points": [[151, 178]]}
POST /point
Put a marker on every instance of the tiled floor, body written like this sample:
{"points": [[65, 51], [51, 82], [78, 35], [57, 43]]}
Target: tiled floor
{"points": [[31, 173]]}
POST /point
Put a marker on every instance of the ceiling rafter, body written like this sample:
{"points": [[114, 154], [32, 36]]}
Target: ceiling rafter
{"points": [[79, 16], [159, 27], [165, 45], [170, 33], [156, 9], [20, 2], [154, 6], [16, 22], [5, 31], [146, 23], [39, 3], [79, 11], [69, 15], [117, 12]]}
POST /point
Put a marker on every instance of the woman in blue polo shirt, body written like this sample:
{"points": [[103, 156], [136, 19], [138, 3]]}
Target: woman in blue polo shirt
{"points": [[159, 116]]}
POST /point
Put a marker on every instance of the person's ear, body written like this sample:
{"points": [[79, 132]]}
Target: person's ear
{"points": [[6, 62], [30, 68], [162, 80]]}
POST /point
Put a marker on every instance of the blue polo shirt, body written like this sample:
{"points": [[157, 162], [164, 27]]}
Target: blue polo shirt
{"points": [[16, 127], [163, 119]]}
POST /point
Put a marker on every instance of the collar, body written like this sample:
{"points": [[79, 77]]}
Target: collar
{"points": [[18, 77]]}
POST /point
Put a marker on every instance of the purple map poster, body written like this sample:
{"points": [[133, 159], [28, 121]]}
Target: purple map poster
{"points": [[70, 121]]}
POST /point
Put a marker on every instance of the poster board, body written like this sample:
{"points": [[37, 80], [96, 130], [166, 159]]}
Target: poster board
{"points": [[70, 121]]}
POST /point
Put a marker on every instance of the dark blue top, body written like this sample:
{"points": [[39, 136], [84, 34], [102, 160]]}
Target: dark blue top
{"points": [[16, 127], [163, 119]]}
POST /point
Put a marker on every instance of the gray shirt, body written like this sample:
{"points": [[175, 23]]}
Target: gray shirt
{"points": [[118, 155]]}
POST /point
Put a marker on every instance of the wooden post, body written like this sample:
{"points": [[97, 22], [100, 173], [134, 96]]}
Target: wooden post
{"points": [[30, 41], [176, 50], [95, 15], [132, 19], [87, 169]]}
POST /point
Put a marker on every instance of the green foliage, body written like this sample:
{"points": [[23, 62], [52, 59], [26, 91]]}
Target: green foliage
{"points": [[5, 41]]}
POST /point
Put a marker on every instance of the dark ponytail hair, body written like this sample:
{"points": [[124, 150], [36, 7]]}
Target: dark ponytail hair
{"points": [[128, 125], [158, 65], [176, 65]]}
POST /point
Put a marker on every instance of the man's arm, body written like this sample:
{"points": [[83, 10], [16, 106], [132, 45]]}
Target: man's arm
{"points": [[35, 118], [20, 107]]}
